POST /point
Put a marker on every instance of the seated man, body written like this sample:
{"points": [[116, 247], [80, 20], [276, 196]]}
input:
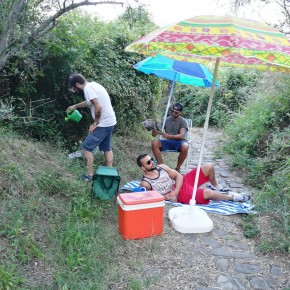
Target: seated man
{"points": [[175, 187], [174, 137]]}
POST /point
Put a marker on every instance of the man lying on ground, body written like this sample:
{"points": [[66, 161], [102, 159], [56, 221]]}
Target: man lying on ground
{"points": [[175, 187]]}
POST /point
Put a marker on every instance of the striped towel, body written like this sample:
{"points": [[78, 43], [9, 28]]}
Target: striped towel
{"points": [[218, 207], [223, 207], [132, 186]]}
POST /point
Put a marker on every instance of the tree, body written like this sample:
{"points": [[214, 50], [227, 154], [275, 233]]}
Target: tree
{"points": [[23, 22], [282, 5]]}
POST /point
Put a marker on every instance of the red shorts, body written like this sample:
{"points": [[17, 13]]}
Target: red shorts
{"points": [[186, 190]]}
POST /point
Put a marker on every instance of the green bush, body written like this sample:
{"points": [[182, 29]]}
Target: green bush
{"points": [[257, 139], [235, 88], [258, 143], [37, 89]]}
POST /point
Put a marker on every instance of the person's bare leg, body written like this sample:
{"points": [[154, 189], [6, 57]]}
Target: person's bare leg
{"points": [[90, 162], [156, 146], [109, 158], [182, 155], [208, 171], [216, 196], [232, 196]]}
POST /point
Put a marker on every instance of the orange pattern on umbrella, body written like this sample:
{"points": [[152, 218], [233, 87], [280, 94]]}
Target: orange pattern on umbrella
{"points": [[238, 42]]}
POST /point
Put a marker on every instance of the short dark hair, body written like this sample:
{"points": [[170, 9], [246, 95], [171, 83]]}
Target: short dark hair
{"points": [[76, 78], [178, 107], [139, 159]]}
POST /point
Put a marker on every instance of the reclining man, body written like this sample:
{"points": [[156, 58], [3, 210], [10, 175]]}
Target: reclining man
{"points": [[174, 137], [175, 187]]}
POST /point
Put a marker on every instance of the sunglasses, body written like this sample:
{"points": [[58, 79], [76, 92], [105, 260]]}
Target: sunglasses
{"points": [[149, 161], [175, 112]]}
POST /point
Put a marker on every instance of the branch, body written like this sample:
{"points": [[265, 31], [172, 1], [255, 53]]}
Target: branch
{"points": [[44, 27], [10, 44]]}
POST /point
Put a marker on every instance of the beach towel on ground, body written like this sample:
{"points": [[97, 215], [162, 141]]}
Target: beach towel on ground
{"points": [[218, 207], [132, 186]]}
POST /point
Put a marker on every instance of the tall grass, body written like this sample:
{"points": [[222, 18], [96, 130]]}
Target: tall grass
{"points": [[258, 143], [52, 234]]}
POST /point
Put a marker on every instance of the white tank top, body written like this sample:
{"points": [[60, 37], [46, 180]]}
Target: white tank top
{"points": [[163, 183]]}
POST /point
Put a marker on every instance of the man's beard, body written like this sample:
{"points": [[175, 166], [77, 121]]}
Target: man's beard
{"points": [[152, 169]]}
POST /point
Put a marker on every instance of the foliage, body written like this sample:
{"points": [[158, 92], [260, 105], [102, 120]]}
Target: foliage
{"points": [[261, 132], [82, 44], [250, 226], [25, 22], [9, 278], [235, 88], [258, 144], [54, 224], [282, 6]]}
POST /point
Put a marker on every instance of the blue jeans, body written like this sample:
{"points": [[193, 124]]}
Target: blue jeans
{"points": [[102, 137]]}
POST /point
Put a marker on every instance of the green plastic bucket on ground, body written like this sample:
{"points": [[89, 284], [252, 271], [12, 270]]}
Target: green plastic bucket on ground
{"points": [[73, 115]]}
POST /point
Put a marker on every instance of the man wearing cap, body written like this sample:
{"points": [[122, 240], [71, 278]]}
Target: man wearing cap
{"points": [[173, 138]]}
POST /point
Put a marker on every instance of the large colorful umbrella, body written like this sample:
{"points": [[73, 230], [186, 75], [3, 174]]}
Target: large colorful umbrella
{"points": [[237, 42], [227, 40], [188, 73]]}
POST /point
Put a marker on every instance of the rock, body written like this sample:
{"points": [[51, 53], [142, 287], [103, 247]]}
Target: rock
{"points": [[247, 268], [222, 264]]}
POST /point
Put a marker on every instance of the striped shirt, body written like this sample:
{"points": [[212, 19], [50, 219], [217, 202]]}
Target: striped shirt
{"points": [[163, 183]]}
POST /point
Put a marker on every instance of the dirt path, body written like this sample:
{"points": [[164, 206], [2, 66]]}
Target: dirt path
{"points": [[221, 259]]}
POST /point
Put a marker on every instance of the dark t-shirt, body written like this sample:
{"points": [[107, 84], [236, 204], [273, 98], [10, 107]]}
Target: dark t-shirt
{"points": [[173, 126]]}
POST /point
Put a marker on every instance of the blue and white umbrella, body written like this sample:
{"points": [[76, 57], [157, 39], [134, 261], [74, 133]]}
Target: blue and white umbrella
{"points": [[188, 73]]}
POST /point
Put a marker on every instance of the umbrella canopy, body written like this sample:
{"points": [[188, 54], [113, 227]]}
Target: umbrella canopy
{"points": [[188, 73], [237, 42], [228, 40]]}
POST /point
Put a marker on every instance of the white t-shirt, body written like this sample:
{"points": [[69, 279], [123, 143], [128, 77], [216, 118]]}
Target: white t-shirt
{"points": [[93, 90]]}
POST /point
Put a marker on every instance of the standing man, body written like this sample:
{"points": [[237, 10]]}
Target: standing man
{"points": [[104, 120], [174, 137]]}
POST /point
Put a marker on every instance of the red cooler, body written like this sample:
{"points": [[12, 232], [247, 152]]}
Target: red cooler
{"points": [[140, 214]]}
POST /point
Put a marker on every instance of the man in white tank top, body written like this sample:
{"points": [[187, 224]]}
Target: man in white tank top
{"points": [[175, 187]]}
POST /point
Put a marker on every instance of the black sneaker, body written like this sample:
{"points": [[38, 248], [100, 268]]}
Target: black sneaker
{"points": [[87, 177], [223, 190]]}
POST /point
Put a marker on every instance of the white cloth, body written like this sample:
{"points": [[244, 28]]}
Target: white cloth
{"points": [[93, 90]]}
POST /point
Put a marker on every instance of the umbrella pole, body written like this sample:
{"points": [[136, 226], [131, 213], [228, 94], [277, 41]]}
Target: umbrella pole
{"points": [[192, 219], [192, 201], [169, 100]]}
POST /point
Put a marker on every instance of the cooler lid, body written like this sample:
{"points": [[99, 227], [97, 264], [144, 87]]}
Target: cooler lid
{"points": [[107, 170], [141, 197]]}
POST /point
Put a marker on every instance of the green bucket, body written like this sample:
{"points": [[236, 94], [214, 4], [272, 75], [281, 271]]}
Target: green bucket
{"points": [[73, 115]]}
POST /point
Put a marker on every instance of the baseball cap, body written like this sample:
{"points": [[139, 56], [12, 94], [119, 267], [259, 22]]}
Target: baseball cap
{"points": [[178, 107]]}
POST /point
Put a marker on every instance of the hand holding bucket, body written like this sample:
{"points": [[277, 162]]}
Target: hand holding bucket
{"points": [[73, 115]]}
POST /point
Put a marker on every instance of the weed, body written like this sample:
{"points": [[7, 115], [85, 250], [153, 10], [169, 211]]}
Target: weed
{"points": [[265, 247], [10, 278], [134, 284], [261, 150], [250, 226]]}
